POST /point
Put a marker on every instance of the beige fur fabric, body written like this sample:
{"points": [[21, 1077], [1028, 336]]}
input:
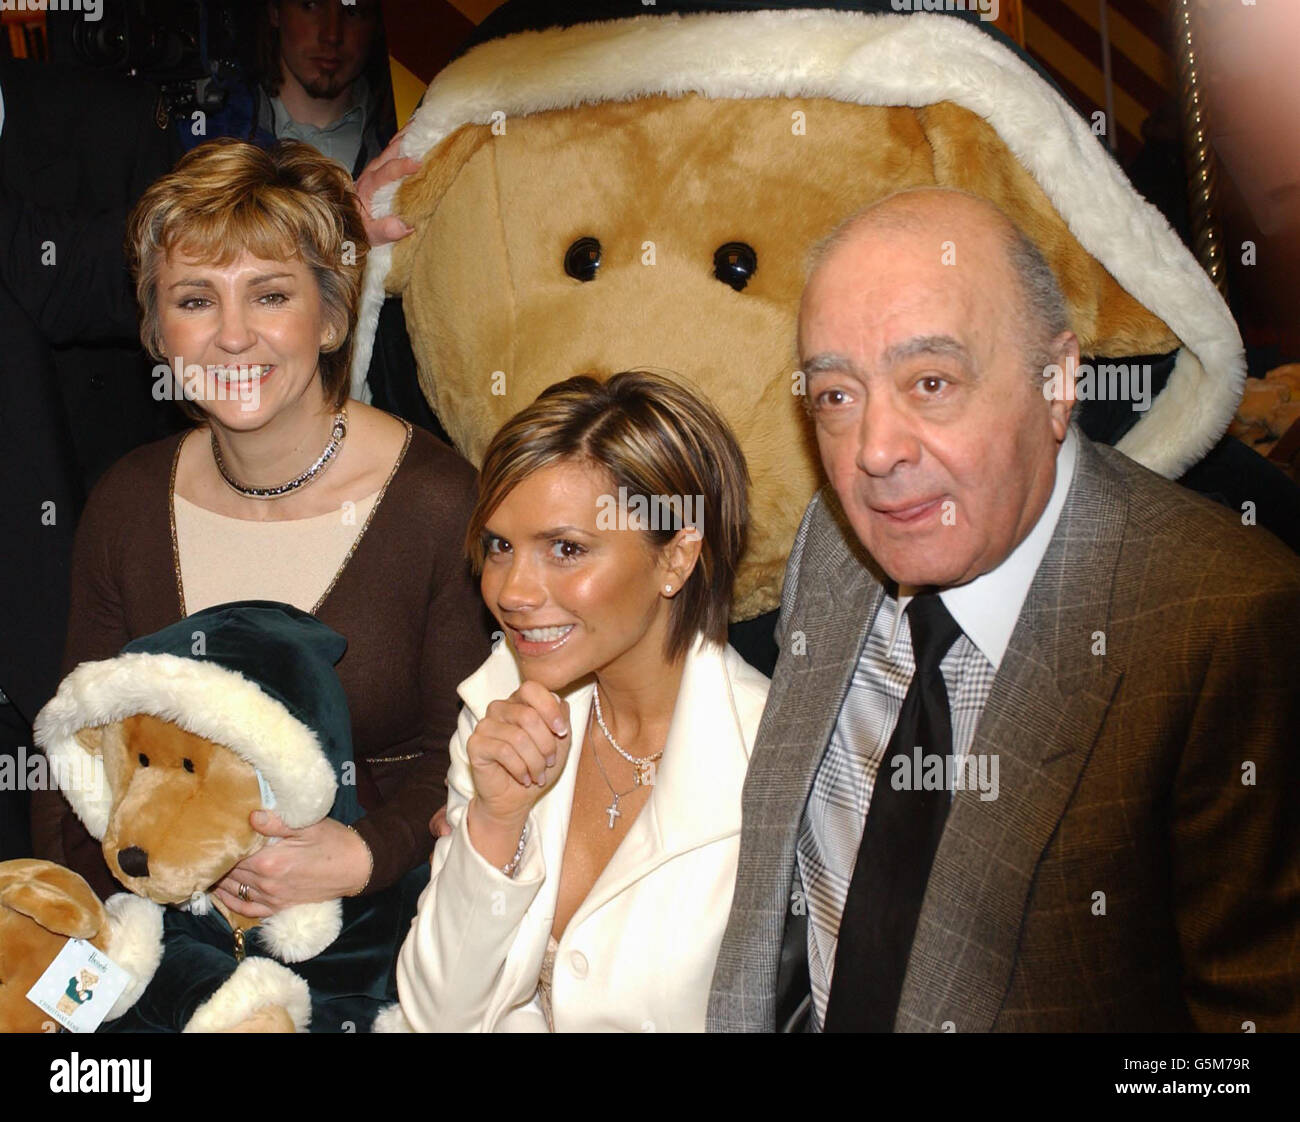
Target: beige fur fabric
{"points": [[485, 289], [665, 137]]}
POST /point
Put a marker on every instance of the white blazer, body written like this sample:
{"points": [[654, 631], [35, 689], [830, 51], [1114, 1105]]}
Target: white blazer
{"points": [[638, 954]]}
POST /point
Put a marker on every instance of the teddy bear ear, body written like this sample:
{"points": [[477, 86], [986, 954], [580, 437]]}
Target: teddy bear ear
{"points": [[91, 738], [421, 192], [968, 154], [55, 898]]}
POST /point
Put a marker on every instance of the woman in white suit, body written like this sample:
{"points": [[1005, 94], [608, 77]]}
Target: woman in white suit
{"points": [[596, 772]]}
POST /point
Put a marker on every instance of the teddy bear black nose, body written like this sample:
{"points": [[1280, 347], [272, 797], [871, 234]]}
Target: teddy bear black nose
{"points": [[133, 861]]}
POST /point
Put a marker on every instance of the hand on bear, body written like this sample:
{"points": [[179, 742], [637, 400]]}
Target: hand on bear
{"points": [[323, 861], [388, 166]]}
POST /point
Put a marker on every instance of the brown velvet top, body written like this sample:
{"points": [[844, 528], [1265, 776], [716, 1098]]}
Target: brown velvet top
{"points": [[405, 601]]}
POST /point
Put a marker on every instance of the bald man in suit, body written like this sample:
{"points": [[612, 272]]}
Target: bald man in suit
{"points": [[1107, 683]]}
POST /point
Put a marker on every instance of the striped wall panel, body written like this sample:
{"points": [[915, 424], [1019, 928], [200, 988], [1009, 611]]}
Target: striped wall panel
{"points": [[1064, 36]]}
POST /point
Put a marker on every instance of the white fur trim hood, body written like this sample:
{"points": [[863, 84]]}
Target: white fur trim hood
{"points": [[868, 59], [204, 698]]}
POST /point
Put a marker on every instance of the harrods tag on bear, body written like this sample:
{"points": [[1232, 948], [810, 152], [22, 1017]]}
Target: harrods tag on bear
{"points": [[79, 987]]}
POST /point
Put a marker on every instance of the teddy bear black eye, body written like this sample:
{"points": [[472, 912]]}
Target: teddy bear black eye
{"points": [[582, 259], [144, 760], [734, 263], [188, 765]]}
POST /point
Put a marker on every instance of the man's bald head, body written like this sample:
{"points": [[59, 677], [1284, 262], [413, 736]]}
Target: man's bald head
{"points": [[950, 214], [919, 329]]}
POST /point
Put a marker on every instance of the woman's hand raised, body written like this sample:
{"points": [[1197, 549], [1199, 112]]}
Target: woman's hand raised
{"points": [[515, 753]]}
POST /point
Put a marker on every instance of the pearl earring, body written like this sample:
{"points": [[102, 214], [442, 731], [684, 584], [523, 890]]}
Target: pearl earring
{"points": [[668, 588]]}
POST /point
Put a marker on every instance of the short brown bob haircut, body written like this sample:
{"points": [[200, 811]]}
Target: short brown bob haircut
{"points": [[227, 197], [657, 439]]}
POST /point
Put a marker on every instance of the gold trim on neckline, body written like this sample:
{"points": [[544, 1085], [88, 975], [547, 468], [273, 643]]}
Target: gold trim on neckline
{"points": [[379, 498]]}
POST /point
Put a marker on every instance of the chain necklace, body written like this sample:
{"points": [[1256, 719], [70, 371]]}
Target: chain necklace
{"points": [[612, 810], [644, 765], [338, 431]]}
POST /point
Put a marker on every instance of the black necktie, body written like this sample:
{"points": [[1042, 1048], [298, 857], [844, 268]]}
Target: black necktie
{"points": [[899, 841]]}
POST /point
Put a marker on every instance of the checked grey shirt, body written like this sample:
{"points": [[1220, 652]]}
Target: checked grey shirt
{"points": [[830, 832]]}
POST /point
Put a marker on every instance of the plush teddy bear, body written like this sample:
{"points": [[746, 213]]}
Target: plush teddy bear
{"points": [[615, 185], [42, 906], [1269, 408], [183, 735]]}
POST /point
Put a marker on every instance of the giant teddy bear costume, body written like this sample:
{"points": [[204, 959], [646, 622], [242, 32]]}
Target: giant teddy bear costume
{"points": [[601, 193], [169, 746]]}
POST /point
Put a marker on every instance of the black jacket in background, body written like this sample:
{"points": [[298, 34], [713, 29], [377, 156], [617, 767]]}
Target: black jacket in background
{"points": [[76, 151]]}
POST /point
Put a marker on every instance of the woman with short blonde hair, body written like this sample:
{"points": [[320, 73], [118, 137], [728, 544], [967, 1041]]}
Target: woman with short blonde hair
{"points": [[248, 269], [596, 771], [233, 198]]}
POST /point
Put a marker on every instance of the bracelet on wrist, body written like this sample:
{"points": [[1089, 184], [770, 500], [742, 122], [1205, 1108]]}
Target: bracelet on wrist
{"points": [[370, 857], [510, 866]]}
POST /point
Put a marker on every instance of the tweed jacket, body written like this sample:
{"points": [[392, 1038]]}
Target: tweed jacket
{"points": [[1140, 867]]}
